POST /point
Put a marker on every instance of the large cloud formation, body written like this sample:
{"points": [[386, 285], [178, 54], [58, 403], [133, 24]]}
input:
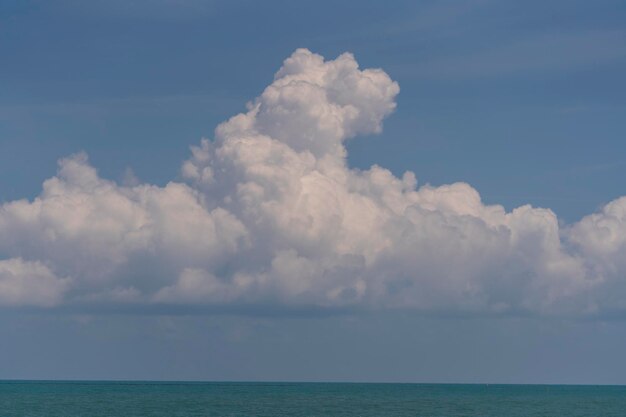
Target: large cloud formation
{"points": [[271, 215]]}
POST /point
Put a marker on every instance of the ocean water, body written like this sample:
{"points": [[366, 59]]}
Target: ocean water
{"points": [[168, 399]]}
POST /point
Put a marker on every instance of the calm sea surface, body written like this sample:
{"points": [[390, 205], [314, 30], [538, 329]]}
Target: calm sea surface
{"points": [[129, 399]]}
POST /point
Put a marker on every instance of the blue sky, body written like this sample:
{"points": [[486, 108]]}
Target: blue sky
{"points": [[523, 101]]}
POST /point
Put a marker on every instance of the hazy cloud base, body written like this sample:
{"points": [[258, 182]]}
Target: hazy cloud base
{"points": [[271, 216]]}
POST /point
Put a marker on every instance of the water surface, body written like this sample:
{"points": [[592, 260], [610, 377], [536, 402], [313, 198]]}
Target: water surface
{"points": [[169, 399]]}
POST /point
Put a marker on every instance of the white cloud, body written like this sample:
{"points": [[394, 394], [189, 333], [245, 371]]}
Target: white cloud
{"points": [[273, 216], [95, 230], [29, 283]]}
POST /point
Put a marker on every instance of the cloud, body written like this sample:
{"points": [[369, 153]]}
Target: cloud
{"points": [[29, 283], [271, 216]]}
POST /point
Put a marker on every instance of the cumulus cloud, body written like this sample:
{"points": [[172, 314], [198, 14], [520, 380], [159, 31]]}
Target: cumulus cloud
{"points": [[270, 214], [29, 283]]}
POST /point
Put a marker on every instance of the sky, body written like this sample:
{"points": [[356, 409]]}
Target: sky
{"points": [[312, 191]]}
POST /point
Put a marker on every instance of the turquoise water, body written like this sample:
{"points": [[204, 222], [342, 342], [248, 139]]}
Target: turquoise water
{"points": [[134, 399]]}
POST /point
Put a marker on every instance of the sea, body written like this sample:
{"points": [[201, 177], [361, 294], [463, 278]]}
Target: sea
{"points": [[270, 399]]}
